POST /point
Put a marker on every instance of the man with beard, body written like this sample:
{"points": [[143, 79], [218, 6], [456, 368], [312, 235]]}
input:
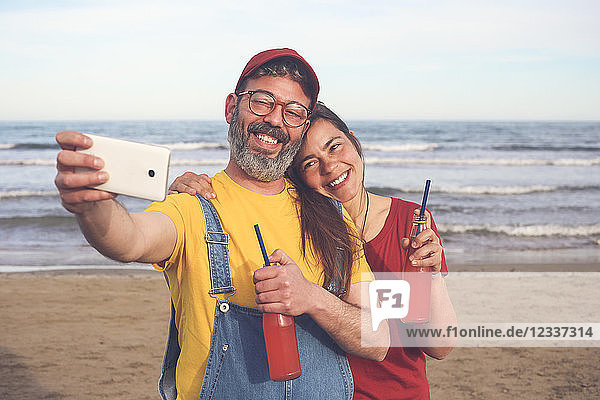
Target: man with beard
{"points": [[215, 348]]}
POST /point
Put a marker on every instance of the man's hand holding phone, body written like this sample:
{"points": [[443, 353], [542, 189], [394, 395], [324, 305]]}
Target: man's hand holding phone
{"points": [[73, 184], [93, 168]]}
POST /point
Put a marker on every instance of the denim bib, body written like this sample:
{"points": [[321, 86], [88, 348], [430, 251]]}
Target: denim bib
{"points": [[237, 363]]}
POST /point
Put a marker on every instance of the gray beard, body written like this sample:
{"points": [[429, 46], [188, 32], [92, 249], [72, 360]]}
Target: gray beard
{"points": [[258, 166]]}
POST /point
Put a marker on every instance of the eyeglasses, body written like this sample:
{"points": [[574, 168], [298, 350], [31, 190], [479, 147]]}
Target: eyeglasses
{"points": [[262, 103]]}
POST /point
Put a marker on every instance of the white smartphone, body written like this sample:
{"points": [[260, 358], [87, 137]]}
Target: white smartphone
{"points": [[134, 169]]}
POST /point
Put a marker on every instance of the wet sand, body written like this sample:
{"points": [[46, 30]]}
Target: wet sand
{"points": [[101, 334]]}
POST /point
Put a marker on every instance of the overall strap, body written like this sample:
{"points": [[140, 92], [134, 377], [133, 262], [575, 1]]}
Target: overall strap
{"points": [[220, 276], [218, 250], [338, 205]]}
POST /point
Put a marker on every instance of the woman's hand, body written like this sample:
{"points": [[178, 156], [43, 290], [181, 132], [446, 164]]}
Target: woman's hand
{"points": [[192, 183], [428, 251]]}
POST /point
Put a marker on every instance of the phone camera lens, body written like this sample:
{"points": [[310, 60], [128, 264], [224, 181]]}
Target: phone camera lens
{"points": [[151, 173]]}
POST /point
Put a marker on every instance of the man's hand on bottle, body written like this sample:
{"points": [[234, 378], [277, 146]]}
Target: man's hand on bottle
{"points": [[283, 288]]}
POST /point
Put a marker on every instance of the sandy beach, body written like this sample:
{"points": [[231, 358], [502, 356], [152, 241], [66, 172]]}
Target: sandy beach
{"points": [[101, 334]]}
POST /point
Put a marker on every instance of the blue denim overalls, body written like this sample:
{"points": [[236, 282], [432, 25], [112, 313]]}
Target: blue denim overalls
{"points": [[237, 362]]}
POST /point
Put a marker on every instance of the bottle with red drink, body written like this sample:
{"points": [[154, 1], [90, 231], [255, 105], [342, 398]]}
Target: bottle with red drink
{"points": [[280, 337], [281, 346]]}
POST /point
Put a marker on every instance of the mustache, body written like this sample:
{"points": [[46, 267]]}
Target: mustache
{"points": [[268, 129]]}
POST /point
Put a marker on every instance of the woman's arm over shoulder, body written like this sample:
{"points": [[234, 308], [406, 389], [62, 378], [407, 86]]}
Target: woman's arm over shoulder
{"points": [[193, 184]]}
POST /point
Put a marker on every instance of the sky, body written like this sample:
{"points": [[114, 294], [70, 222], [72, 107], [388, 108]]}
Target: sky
{"points": [[400, 59]]}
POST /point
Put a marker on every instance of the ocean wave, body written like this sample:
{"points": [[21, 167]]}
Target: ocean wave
{"points": [[487, 190], [181, 146], [222, 162], [101, 267], [27, 193], [399, 148], [378, 161], [52, 163], [27, 146], [508, 162], [43, 222], [28, 163], [196, 146], [503, 190], [520, 147], [524, 231], [365, 146], [465, 190]]}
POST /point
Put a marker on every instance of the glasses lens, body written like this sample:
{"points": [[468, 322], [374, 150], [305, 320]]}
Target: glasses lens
{"points": [[295, 114], [261, 103]]}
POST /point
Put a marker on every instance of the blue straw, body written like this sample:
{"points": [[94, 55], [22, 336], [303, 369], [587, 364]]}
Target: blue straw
{"points": [[262, 244], [425, 194]]}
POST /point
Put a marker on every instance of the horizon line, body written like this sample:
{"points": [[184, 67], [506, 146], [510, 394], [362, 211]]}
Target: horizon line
{"points": [[591, 120]]}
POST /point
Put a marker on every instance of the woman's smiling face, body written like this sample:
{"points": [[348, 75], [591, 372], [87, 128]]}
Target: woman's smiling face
{"points": [[329, 163]]}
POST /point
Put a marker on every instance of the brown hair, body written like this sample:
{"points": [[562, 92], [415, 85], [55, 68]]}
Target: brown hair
{"points": [[331, 240]]}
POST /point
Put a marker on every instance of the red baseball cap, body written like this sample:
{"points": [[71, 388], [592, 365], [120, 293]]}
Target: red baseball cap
{"points": [[268, 55]]}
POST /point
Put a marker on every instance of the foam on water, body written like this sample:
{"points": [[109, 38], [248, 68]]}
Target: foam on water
{"points": [[35, 268], [516, 162], [373, 161], [493, 190], [196, 146], [501, 190], [27, 193], [524, 231], [189, 162], [32, 162], [399, 148], [367, 146]]}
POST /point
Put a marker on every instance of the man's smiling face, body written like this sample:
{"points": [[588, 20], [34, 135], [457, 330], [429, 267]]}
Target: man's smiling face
{"points": [[264, 146]]}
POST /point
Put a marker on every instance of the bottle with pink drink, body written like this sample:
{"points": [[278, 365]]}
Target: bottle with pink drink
{"points": [[419, 278]]}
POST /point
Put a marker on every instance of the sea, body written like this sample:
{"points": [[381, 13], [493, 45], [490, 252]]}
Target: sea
{"points": [[502, 192]]}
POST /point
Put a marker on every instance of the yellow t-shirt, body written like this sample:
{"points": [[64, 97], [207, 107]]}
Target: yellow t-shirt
{"points": [[188, 273]]}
